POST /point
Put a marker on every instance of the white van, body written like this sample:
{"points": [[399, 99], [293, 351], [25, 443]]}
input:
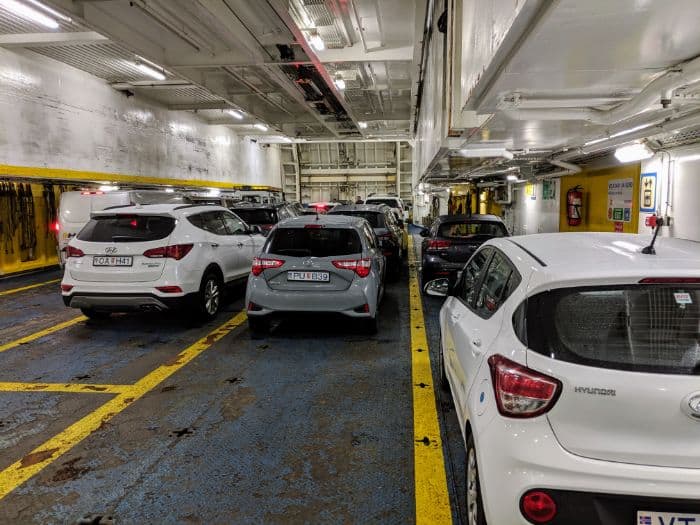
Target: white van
{"points": [[76, 206]]}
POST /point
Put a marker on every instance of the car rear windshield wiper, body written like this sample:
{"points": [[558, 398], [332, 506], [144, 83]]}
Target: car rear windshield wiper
{"points": [[293, 251], [126, 238]]}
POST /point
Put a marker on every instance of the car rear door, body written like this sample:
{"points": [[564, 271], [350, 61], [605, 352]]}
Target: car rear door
{"points": [[476, 316], [628, 357], [224, 245], [247, 245], [115, 248]]}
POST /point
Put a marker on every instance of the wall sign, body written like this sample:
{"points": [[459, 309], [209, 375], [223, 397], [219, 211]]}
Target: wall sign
{"points": [[530, 191], [647, 193], [620, 200], [548, 190]]}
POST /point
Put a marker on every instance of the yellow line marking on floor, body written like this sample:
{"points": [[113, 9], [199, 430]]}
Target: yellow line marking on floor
{"points": [[69, 388], [28, 287], [41, 333], [432, 497], [48, 452]]}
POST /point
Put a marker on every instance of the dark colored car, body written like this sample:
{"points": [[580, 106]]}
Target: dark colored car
{"points": [[451, 241], [264, 215], [385, 226]]}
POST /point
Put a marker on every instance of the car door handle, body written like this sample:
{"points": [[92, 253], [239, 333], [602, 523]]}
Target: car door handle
{"points": [[455, 317], [214, 245], [476, 343], [240, 244]]}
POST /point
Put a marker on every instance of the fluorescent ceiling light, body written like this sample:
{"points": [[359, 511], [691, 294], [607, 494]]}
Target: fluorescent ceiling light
{"points": [[169, 190], [317, 42], [631, 130], [512, 178], [261, 127], [340, 82], [213, 192], [486, 151], [235, 113], [107, 188], [632, 153], [362, 125], [286, 139], [29, 13], [49, 10], [150, 71]]}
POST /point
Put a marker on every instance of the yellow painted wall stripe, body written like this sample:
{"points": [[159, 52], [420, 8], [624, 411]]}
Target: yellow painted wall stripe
{"points": [[58, 174], [28, 287], [46, 453], [69, 388], [41, 333], [432, 497]]}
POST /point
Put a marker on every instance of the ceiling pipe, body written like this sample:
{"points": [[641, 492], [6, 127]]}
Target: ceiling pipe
{"points": [[658, 91], [688, 120]]}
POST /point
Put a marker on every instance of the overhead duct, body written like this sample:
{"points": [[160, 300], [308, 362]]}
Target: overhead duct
{"points": [[658, 92]]}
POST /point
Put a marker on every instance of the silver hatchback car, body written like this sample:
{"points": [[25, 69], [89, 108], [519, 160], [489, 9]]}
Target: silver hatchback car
{"points": [[317, 263]]}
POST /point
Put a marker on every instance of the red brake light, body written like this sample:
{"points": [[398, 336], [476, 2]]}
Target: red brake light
{"points": [[174, 251], [169, 289], [313, 226], [520, 391], [66, 287], [55, 226], [670, 280], [361, 267], [436, 244], [538, 506], [260, 265], [72, 251]]}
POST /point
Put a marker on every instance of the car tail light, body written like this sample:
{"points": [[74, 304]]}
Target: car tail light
{"points": [[72, 251], [66, 287], [174, 251], [313, 226], [670, 280], [520, 391], [361, 267], [437, 244], [55, 226], [260, 265], [538, 506], [169, 289], [252, 307]]}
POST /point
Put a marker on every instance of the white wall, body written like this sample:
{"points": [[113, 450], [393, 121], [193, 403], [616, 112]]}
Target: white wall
{"points": [[682, 193], [538, 215], [52, 115]]}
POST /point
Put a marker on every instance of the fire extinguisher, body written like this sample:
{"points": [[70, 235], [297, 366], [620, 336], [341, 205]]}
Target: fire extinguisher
{"points": [[574, 202]]}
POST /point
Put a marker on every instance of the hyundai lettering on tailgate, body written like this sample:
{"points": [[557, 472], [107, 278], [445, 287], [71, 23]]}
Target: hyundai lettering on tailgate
{"points": [[646, 517]]}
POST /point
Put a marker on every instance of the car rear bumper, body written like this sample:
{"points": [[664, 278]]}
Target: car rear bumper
{"points": [[348, 302], [435, 266], [125, 302], [517, 456]]}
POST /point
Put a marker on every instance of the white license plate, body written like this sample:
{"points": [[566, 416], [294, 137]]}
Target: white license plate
{"points": [[320, 277], [112, 260], [647, 517]]}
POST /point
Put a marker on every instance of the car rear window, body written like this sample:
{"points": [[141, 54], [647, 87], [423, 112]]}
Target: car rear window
{"points": [[314, 242], [375, 219], [127, 228], [257, 216], [646, 328], [471, 229], [392, 203]]}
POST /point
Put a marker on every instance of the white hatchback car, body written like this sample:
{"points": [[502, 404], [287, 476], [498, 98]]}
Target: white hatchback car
{"points": [[574, 365], [157, 257]]}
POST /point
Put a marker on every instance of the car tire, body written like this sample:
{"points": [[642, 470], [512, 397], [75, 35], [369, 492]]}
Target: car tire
{"points": [[94, 315], [258, 327], [474, 501], [209, 296]]}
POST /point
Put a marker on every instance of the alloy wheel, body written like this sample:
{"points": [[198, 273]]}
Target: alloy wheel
{"points": [[472, 488], [211, 296]]}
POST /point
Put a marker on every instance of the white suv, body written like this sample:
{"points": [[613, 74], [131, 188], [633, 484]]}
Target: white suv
{"points": [[574, 365], [157, 257]]}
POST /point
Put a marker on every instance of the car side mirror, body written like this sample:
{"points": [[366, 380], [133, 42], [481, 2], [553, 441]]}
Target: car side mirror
{"points": [[438, 288], [424, 232]]}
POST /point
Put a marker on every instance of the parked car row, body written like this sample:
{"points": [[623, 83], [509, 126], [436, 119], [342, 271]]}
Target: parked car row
{"points": [[183, 256], [573, 361]]}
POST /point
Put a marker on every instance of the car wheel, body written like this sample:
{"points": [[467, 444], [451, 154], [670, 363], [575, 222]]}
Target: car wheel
{"points": [[258, 327], [475, 505], [93, 314], [209, 296]]}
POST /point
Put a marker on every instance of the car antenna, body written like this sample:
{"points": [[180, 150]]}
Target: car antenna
{"points": [[658, 222]]}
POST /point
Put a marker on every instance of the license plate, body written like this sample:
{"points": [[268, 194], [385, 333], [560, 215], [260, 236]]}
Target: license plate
{"points": [[112, 260], [647, 517], [321, 277]]}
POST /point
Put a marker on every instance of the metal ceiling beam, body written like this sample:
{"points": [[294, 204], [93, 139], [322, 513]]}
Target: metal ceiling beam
{"points": [[50, 39], [357, 54], [200, 105]]}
